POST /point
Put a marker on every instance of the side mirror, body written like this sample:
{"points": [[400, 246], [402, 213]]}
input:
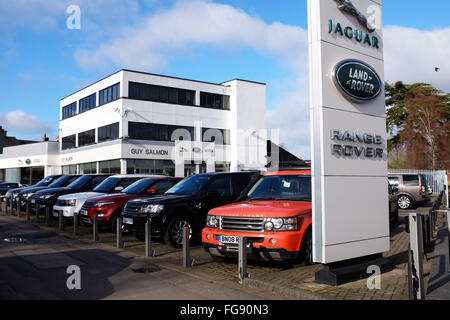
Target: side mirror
{"points": [[152, 191], [118, 189]]}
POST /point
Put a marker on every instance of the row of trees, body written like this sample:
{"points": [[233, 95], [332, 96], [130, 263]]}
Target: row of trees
{"points": [[418, 126]]}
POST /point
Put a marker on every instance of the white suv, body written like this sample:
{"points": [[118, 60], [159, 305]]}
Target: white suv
{"points": [[72, 203]]}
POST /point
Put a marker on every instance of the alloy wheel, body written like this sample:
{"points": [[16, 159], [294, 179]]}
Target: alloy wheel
{"points": [[177, 231], [404, 202]]}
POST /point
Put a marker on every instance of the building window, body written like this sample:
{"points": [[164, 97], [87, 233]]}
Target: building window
{"points": [[88, 103], [109, 94], [72, 169], [109, 132], [86, 138], [109, 167], [222, 166], [148, 92], [158, 132], [68, 142], [214, 101], [150, 166], [219, 136], [88, 168], [69, 110]]}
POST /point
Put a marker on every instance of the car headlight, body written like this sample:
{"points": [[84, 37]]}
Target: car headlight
{"points": [[152, 209], [47, 196], [212, 221], [102, 204], [28, 195], [280, 224], [70, 203]]}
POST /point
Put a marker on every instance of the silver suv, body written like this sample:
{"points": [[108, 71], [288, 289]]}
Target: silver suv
{"points": [[412, 189]]}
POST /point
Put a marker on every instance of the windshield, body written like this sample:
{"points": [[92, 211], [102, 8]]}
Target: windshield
{"points": [[46, 181], [111, 183], [190, 186], [63, 181], [282, 187], [138, 187], [80, 182]]}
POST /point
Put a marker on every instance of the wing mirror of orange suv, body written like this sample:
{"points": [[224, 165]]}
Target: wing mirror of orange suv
{"points": [[152, 191]]}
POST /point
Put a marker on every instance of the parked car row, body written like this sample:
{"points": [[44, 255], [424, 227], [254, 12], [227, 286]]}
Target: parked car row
{"points": [[273, 210]]}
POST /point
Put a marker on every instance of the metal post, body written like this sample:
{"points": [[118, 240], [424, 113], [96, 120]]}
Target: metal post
{"points": [[95, 228], [61, 221], [149, 252], [242, 259], [187, 261], [27, 210], [38, 211], [119, 240], [11, 203], [4, 205], [75, 224], [18, 207], [415, 258], [47, 215]]}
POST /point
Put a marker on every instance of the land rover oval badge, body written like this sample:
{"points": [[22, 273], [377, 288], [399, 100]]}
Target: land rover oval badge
{"points": [[357, 80]]}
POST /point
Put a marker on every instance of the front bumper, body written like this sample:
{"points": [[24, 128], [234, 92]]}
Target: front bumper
{"points": [[68, 212], [285, 245], [138, 224]]}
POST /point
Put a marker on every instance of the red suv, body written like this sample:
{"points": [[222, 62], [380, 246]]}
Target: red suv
{"points": [[275, 216], [109, 207]]}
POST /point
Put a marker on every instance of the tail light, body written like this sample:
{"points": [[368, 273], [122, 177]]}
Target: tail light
{"points": [[422, 190]]}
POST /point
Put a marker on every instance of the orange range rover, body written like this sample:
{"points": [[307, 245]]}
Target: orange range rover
{"points": [[275, 216]]}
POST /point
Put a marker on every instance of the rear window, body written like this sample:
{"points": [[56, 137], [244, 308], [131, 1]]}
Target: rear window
{"points": [[411, 180]]}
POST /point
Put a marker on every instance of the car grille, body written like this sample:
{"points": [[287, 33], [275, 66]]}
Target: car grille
{"points": [[61, 203], [87, 205], [242, 224], [133, 207]]}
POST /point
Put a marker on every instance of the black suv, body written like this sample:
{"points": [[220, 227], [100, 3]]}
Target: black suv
{"points": [[186, 205], [5, 186], [74, 184], [44, 183]]}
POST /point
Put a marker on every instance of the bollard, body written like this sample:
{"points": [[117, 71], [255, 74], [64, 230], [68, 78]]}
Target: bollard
{"points": [[3, 205], [27, 210], [75, 223], [18, 207], [242, 259], [47, 215], [11, 204], [95, 228], [415, 258], [61, 221], [187, 262], [149, 252], [119, 240], [38, 211]]}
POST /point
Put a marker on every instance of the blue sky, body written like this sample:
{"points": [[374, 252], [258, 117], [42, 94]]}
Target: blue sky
{"points": [[42, 61]]}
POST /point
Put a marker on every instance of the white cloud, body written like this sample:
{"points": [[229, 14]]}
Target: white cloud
{"points": [[19, 121], [412, 54]]}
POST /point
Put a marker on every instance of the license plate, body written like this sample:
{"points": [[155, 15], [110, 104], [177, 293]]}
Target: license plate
{"points": [[127, 220], [83, 212], [33, 201], [229, 239]]}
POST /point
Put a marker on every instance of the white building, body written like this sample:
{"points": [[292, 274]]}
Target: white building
{"points": [[136, 122]]}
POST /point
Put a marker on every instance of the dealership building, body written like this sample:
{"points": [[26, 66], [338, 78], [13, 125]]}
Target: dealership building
{"points": [[136, 122]]}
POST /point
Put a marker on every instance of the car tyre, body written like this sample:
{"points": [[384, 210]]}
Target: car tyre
{"points": [[404, 202], [174, 231], [307, 250]]}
